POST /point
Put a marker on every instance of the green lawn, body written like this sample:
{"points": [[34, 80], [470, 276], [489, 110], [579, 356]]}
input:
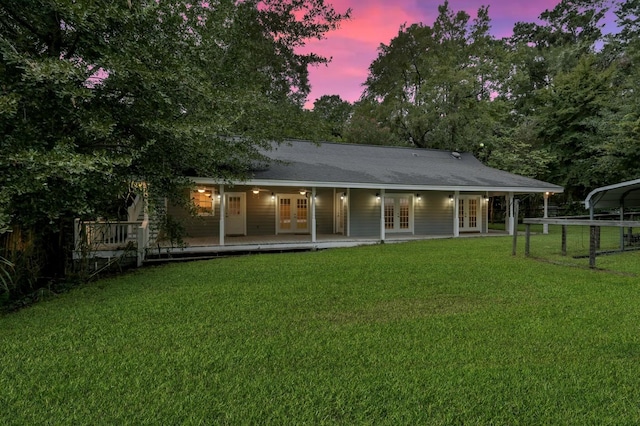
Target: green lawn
{"points": [[434, 332]]}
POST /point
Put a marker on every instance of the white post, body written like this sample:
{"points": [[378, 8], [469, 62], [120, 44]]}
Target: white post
{"points": [[313, 214], [347, 214], [382, 227], [545, 226], [223, 213], [510, 222], [456, 213]]}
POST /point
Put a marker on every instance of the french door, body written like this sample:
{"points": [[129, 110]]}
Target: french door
{"points": [[293, 214], [398, 213], [469, 213]]}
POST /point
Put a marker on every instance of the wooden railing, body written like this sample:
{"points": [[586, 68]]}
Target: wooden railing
{"points": [[91, 236]]}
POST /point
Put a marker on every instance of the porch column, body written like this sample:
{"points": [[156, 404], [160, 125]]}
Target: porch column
{"points": [[509, 222], [545, 226], [382, 228], [223, 213], [347, 213], [313, 214], [456, 213]]}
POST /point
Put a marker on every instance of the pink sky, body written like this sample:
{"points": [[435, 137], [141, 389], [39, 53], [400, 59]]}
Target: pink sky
{"points": [[354, 46]]}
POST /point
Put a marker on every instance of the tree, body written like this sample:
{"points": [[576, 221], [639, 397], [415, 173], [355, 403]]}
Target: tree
{"points": [[621, 156], [97, 95], [334, 113], [367, 126], [575, 126], [436, 82]]}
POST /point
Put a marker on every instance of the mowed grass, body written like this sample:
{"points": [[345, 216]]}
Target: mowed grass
{"points": [[434, 332]]}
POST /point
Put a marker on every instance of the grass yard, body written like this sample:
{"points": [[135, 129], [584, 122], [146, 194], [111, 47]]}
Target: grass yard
{"points": [[434, 332]]}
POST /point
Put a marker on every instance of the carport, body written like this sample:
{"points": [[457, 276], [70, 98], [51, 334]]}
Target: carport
{"points": [[618, 196], [623, 196]]}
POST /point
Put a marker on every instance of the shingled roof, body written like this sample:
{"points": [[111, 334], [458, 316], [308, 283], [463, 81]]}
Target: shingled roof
{"points": [[367, 166]]}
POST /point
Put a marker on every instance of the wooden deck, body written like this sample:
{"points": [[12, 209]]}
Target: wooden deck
{"points": [[282, 243]]}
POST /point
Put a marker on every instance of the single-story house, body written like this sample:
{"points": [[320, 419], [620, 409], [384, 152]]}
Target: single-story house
{"points": [[332, 190]]}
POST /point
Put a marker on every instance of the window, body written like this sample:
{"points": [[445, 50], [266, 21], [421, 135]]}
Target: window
{"points": [[203, 200]]}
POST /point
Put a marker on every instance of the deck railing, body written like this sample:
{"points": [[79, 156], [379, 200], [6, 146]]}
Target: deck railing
{"points": [[91, 236]]}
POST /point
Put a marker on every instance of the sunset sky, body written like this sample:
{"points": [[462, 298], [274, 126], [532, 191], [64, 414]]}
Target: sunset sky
{"points": [[354, 46]]}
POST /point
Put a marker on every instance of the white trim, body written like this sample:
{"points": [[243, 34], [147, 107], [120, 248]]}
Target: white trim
{"points": [[377, 186]]}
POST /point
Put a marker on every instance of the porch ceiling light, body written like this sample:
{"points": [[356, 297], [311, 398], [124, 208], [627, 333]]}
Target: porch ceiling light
{"points": [[201, 190], [255, 190], [303, 191]]}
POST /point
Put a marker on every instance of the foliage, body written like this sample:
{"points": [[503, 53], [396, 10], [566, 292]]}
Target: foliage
{"points": [[367, 126], [334, 112], [97, 95], [398, 334], [6, 276], [435, 83], [574, 125]]}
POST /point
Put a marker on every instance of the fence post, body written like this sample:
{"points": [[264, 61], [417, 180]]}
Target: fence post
{"points": [[526, 239], [564, 240], [593, 237]]}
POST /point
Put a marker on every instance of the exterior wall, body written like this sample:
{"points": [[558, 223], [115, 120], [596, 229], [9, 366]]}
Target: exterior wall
{"points": [[433, 214], [261, 212], [364, 213], [325, 200], [198, 226]]}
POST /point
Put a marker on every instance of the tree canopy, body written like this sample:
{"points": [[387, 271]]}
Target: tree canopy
{"points": [[95, 95]]}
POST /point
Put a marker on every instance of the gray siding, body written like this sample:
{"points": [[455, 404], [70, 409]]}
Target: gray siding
{"points": [[364, 213], [261, 213], [199, 226], [433, 214], [325, 201]]}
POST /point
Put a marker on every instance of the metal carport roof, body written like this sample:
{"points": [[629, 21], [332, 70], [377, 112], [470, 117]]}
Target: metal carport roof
{"points": [[624, 194]]}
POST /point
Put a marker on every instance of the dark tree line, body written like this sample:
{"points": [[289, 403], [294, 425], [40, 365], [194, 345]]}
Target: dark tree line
{"points": [[559, 100]]}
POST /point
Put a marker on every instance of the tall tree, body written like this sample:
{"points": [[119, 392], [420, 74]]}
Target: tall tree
{"points": [[436, 82], [97, 94], [334, 113]]}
